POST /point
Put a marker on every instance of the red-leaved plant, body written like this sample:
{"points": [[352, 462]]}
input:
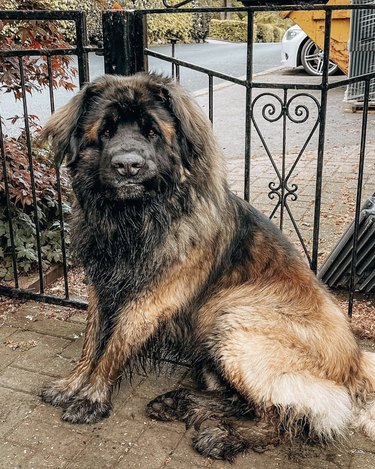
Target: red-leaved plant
{"points": [[31, 35]]}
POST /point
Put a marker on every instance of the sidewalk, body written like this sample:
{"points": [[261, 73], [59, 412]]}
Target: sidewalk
{"points": [[37, 345], [41, 342]]}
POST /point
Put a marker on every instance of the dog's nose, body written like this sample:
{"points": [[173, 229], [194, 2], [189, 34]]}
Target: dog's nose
{"points": [[127, 164]]}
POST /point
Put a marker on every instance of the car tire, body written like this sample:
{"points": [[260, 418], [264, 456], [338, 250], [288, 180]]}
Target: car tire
{"points": [[312, 59]]}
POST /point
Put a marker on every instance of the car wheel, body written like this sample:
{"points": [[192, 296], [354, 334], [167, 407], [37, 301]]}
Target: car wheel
{"points": [[312, 59]]}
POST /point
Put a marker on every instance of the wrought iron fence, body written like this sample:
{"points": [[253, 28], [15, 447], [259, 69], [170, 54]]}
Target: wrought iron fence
{"points": [[126, 52], [81, 52]]}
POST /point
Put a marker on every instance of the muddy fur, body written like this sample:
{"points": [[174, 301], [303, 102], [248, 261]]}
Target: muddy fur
{"points": [[194, 408], [179, 267]]}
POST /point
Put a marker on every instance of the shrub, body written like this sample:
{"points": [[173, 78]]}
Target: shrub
{"points": [[264, 33], [22, 209], [229, 30], [268, 27], [30, 35], [161, 27], [92, 8]]}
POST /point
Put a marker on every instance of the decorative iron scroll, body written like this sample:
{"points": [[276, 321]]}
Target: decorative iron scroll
{"points": [[293, 110], [177, 5]]}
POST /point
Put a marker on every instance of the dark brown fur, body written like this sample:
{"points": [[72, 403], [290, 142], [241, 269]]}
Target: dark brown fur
{"points": [[178, 265]]}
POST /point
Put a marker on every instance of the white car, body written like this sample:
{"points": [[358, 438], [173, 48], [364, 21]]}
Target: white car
{"points": [[298, 49]]}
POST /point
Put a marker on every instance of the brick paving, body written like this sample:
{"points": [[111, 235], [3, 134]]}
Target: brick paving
{"points": [[39, 343], [40, 349]]}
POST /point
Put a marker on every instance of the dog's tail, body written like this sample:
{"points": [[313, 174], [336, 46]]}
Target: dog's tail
{"points": [[308, 405], [328, 407], [365, 415]]}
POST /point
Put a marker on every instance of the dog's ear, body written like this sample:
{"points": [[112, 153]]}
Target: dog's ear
{"points": [[64, 127], [193, 127]]}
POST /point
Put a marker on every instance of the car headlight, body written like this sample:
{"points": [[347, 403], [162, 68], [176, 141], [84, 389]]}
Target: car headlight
{"points": [[292, 33]]}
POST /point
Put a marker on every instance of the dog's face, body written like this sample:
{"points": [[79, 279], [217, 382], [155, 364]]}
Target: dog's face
{"points": [[129, 149], [129, 138]]}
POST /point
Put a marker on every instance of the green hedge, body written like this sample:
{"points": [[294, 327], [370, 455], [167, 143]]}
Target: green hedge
{"points": [[229, 30], [159, 27], [268, 27]]}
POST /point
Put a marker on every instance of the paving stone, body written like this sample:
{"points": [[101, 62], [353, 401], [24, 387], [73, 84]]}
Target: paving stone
{"points": [[151, 450], [360, 443], [79, 317], [48, 413], [55, 367], [23, 315], [21, 380], [112, 440], [100, 453], [6, 331], [13, 456], [126, 389], [177, 463], [7, 354], [133, 409], [73, 350], [158, 384], [365, 461], [44, 356], [58, 441], [39, 461], [15, 407], [277, 458], [120, 430], [56, 328]]}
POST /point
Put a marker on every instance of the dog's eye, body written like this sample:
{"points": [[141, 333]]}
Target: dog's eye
{"points": [[152, 133], [107, 133]]}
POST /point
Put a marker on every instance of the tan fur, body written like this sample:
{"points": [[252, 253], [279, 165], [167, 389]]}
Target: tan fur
{"points": [[140, 319], [91, 134], [268, 326], [166, 127]]}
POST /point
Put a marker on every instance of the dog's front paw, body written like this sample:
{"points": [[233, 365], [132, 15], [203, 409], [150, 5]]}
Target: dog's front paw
{"points": [[86, 410], [56, 394]]}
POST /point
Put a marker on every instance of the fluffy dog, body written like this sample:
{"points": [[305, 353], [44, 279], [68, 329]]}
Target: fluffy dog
{"points": [[178, 264]]}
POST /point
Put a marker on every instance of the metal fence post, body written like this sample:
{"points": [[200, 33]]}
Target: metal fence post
{"points": [[124, 38], [83, 59]]}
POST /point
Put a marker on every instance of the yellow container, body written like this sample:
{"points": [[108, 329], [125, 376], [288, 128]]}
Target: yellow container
{"points": [[312, 23]]}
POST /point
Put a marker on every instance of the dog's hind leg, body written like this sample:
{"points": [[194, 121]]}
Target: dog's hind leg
{"points": [[63, 390], [275, 376], [222, 440], [210, 414], [194, 407]]}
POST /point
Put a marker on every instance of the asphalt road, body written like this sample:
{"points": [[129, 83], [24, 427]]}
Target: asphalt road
{"points": [[229, 58], [224, 57]]}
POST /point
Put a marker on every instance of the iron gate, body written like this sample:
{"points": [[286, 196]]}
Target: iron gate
{"points": [[126, 52]]}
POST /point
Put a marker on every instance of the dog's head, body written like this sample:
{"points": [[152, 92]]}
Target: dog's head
{"points": [[130, 138]]}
